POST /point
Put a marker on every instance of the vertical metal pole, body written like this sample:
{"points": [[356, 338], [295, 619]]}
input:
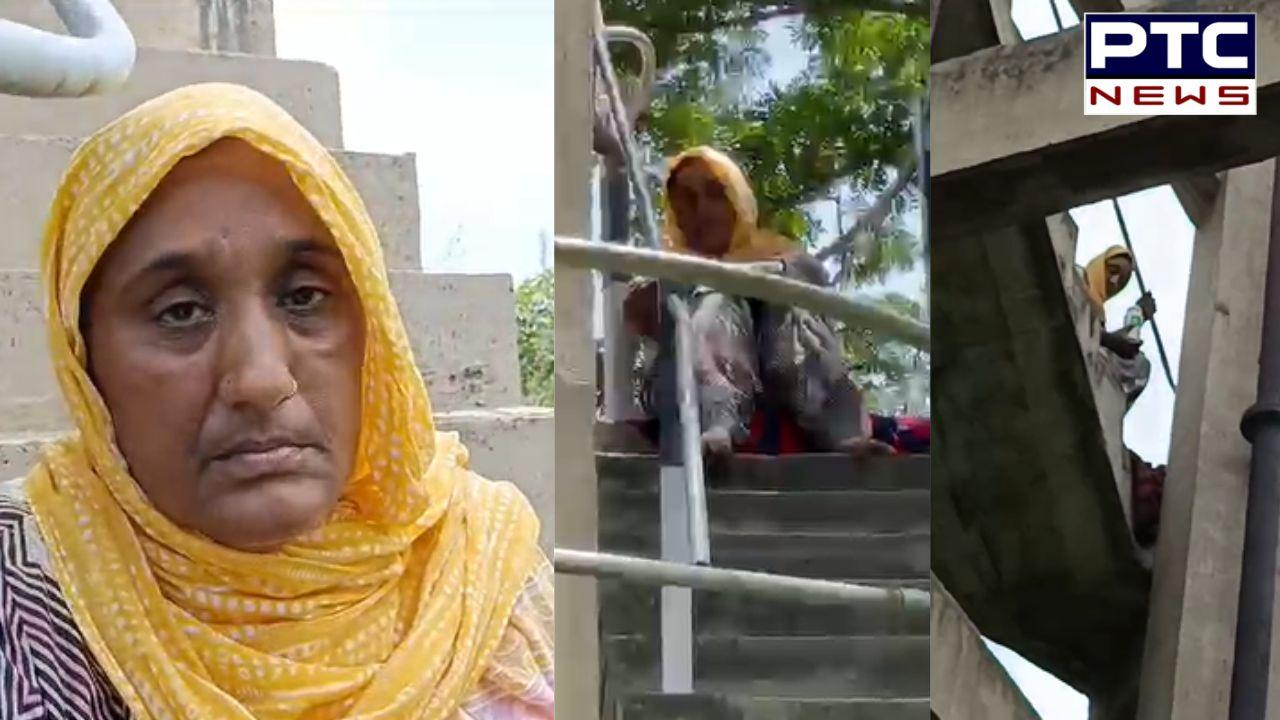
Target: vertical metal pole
{"points": [[677, 602], [620, 345], [690, 433], [1261, 426]]}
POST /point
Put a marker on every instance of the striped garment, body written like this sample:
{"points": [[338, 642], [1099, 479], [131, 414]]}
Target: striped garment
{"points": [[48, 673]]}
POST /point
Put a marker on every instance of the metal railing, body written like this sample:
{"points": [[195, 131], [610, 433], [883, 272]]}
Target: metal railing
{"points": [[642, 571], [96, 57], [743, 281]]}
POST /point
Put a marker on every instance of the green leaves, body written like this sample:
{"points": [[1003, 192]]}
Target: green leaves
{"points": [[535, 328]]}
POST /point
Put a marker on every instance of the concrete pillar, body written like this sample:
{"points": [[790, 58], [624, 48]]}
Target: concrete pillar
{"points": [[577, 631], [1190, 636]]}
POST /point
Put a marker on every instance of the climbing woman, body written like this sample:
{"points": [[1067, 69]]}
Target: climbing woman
{"points": [[1104, 277], [767, 375], [255, 517]]}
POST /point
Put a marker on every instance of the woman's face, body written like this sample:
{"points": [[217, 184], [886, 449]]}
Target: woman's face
{"points": [[1118, 271], [703, 211], [226, 337]]}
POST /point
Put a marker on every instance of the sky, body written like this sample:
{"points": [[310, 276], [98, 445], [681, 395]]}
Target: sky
{"points": [[467, 85], [1162, 241]]}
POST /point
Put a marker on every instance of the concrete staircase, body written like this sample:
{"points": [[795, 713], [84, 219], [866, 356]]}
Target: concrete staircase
{"points": [[462, 327], [821, 516]]}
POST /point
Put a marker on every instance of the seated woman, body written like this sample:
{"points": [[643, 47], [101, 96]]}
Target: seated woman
{"points": [[753, 360], [1104, 277], [255, 517]]}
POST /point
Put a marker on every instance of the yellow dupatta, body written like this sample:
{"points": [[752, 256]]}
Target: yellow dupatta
{"points": [[750, 243], [391, 610]]}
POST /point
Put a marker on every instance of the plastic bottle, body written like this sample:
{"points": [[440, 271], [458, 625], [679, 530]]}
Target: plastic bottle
{"points": [[1133, 320]]}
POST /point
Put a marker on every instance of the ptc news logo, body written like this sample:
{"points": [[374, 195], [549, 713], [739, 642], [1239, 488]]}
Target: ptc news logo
{"points": [[1170, 64]]}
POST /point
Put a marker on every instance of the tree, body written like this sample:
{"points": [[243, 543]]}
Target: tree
{"points": [[535, 324], [841, 128]]}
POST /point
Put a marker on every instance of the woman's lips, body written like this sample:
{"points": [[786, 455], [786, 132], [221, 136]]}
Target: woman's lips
{"points": [[256, 464]]}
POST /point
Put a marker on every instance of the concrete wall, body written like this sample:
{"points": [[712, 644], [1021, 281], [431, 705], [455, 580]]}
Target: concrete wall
{"points": [[307, 90], [388, 184], [241, 26]]}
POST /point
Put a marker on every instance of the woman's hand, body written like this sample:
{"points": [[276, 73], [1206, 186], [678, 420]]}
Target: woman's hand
{"points": [[1147, 303]]}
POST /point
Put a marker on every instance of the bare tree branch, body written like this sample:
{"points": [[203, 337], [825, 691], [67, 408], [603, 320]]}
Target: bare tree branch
{"points": [[875, 216]]}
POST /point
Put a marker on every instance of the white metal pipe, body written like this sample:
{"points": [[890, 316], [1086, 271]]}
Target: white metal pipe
{"points": [[725, 277], [96, 57], [643, 571], [690, 433], [639, 102]]}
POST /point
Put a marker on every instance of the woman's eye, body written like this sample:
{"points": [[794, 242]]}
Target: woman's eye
{"points": [[183, 314], [303, 299]]}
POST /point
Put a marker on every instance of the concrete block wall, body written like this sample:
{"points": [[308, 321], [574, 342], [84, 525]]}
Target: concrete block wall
{"points": [[462, 327]]}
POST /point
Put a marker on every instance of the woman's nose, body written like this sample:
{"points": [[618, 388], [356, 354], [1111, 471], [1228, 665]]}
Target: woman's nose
{"points": [[255, 356]]}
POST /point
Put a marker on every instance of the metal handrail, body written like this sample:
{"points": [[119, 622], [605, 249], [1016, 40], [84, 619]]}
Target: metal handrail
{"points": [[692, 270], [643, 571], [648, 65], [97, 56]]}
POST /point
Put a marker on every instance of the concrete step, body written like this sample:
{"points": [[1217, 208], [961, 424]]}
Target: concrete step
{"points": [[802, 554], [245, 26], [633, 610], [702, 706], [818, 471], [307, 90], [388, 184], [784, 667], [462, 329], [514, 444], [869, 511]]}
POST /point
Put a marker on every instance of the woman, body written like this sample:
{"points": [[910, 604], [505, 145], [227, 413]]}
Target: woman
{"points": [[255, 517], [753, 360], [1104, 277]]}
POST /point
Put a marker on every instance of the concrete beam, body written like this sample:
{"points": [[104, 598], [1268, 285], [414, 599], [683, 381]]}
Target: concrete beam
{"points": [[1043, 156], [1030, 533], [968, 682], [307, 90], [962, 27], [1197, 196], [461, 328], [388, 184], [244, 26]]}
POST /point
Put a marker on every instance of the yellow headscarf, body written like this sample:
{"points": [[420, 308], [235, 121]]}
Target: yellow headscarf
{"points": [[750, 243], [392, 609], [1095, 277]]}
